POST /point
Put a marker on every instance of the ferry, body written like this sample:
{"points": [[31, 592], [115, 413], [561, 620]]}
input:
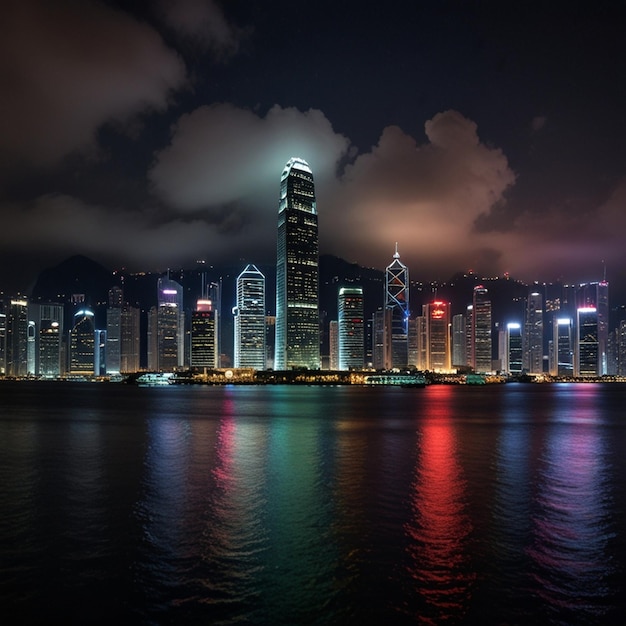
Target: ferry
{"points": [[155, 379]]}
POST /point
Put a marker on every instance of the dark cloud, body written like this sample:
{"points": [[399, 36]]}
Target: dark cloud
{"points": [[204, 23], [66, 67]]}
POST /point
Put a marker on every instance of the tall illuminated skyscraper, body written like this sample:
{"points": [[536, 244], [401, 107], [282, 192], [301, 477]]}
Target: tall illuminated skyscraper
{"points": [[563, 350], [17, 337], [587, 345], [250, 319], [437, 319], [351, 328], [481, 328], [397, 301], [533, 334], [297, 272], [170, 319], [83, 343], [204, 330], [512, 353]]}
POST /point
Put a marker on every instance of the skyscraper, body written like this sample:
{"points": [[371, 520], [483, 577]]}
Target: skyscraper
{"points": [[481, 327], [249, 316], [533, 334], [437, 319], [513, 352], [169, 325], [204, 329], [459, 341], [351, 328], [397, 301], [563, 351], [17, 337], [114, 330], [83, 343], [297, 272], [586, 353]]}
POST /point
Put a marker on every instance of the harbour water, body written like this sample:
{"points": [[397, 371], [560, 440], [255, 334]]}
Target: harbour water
{"points": [[501, 504]]}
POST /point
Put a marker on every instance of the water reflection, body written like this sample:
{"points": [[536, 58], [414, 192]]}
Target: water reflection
{"points": [[571, 527], [440, 525]]}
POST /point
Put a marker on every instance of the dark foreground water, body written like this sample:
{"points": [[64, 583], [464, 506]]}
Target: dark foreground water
{"points": [[312, 505]]}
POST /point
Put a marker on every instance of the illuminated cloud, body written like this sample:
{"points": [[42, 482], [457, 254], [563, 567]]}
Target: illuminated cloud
{"points": [[426, 197], [67, 67], [223, 154]]}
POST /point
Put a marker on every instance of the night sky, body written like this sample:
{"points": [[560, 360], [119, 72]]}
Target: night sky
{"points": [[478, 135]]}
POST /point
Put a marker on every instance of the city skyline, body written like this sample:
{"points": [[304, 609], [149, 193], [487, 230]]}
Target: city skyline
{"points": [[482, 137]]}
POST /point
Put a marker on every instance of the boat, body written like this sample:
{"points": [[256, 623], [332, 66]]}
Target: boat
{"points": [[155, 379]]}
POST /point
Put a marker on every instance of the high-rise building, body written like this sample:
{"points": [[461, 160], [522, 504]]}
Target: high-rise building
{"points": [[114, 331], [481, 326], [83, 343], [129, 339], [533, 334], [16, 352], [381, 348], [249, 314], [563, 351], [587, 346], [459, 341], [513, 349], [3, 337], [621, 348], [170, 326], [437, 319], [49, 321], [204, 330], [351, 328], [49, 348], [596, 295], [333, 344], [397, 302], [297, 273]]}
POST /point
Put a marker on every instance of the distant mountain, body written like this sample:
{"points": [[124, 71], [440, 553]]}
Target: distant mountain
{"points": [[76, 275]]}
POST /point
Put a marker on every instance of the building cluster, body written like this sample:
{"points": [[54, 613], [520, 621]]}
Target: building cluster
{"points": [[563, 334]]}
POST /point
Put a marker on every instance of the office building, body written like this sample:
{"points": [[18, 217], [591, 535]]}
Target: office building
{"points": [[512, 354], [437, 319], [167, 329], [16, 351], [586, 353], [351, 328], [333, 344], [533, 334], [397, 302], [481, 329], [563, 363], [596, 295], [297, 273], [204, 330], [459, 341], [83, 344], [249, 318]]}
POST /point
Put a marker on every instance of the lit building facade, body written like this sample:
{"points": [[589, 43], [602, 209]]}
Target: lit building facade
{"points": [[563, 349], [16, 350], [397, 302], [481, 327], [83, 343], [533, 334], [512, 355], [437, 319], [170, 326], [351, 328], [586, 354], [249, 317], [204, 329], [333, 344], [459, 341], [114, 331], [297, 273]]}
